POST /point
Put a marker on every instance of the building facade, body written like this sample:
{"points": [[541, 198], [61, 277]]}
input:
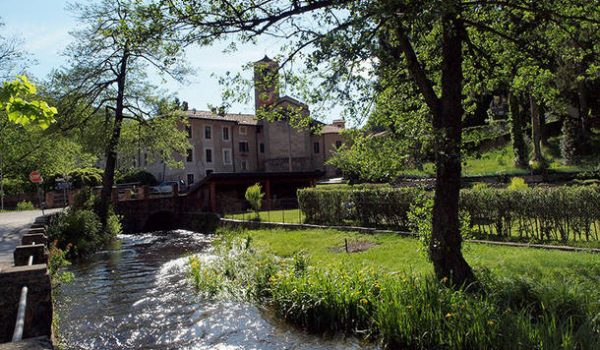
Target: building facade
{"points": [[243, 143]]}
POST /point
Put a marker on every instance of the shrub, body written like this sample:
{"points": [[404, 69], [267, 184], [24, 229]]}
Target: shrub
{"points": [[517, 183], [82, 230], [254, 196], [25, 205], [57, 260], [138, 176], [518, 212], [370, 206]]}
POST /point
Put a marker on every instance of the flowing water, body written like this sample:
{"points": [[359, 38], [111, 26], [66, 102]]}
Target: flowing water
{"points": [[137, 297]]}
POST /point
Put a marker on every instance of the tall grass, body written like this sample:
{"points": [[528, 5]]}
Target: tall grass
{"points": [[405, 310]]}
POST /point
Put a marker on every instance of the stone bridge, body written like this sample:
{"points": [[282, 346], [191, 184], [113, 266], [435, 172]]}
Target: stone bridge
{"points": [[146, 209]]}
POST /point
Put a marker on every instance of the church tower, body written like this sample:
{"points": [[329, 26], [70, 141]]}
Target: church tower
{"points": [[266, 83]]}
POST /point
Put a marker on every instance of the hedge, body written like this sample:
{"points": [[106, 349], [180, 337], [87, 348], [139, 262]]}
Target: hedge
{"points": [[376, 206], [543, 213]]}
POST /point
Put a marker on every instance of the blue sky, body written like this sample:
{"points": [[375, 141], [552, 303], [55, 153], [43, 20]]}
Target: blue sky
{"points": [[44, 26]]}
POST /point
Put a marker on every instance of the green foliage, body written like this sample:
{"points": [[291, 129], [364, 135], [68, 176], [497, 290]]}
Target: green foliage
{"points": [[138, 175], [25, 205], [364, 205], [161, 139], [79, 228], [86, 177], [517, 183], [402, 310], [374, 158], [254, 196], [543, 214], [57, 260], [420, 218], [13, 99]]}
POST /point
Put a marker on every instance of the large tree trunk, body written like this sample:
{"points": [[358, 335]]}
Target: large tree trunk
{"points": [[516, 131], [446, 240], [584, 114], [536, 130], [108, 177]]}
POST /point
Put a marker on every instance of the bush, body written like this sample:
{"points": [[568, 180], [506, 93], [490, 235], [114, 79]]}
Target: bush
{"points": [[370, 206], [254, 196], [519, 212], [138, 176], [517, 183], [81, 229], [25, 205], [542, 214]]}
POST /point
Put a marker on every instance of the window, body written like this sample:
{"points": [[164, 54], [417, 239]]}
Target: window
{"points": [[188, 129], [244, 165], [208, 172], [190, 155], [190, 179], [338, 144], [227, 156], [262, 148], [317, 147], [208, 153], [244, 146], [207, 132], [243, 130], [225, 133]]}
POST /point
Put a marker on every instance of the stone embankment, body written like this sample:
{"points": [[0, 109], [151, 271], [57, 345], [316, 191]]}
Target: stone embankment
{"points": [[26, 302]]}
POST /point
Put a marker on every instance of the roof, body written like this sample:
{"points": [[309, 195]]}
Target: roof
{"points": [[331, 129], [250, 119], [242, 119]]}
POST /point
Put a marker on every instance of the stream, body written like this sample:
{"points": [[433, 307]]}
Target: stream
{"points": [[137, 297]]}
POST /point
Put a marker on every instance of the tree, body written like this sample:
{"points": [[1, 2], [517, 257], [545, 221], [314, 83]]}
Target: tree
{"points": [[19, 111], [254, 196], [429, 41], [118, 44]]}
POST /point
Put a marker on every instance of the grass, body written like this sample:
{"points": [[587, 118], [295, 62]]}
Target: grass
{"points": [[292, 216], [499, 161], [528, 299], [394, 253]]}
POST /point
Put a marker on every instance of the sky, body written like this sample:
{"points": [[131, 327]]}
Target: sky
{"points": [[44, 27]]}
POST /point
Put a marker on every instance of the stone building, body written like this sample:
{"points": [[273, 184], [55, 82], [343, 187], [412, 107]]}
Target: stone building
{"points": [[243, 143]]}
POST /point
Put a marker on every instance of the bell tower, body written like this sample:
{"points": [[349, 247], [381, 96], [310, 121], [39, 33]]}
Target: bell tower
{"points": [[266, 83]]}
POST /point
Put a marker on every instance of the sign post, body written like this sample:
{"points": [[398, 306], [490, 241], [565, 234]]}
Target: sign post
{"points": [[36, 178]]}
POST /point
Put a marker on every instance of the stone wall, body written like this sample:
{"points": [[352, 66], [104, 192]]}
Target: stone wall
{"points": [[38, 311]]}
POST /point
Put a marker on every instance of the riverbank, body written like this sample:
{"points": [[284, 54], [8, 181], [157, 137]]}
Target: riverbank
{"points": [[381, 287]]}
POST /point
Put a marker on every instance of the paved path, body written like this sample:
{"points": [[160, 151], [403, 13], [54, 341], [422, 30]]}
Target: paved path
{"points": [[11, 226]]}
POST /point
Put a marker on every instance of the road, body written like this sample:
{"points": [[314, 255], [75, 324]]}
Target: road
{"points": [[11, 227]]}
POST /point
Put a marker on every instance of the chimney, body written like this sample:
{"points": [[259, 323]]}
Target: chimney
{"points": [[339, 123], [266, 83]]}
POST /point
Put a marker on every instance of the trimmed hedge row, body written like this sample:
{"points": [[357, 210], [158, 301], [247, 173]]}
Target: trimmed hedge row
{"points": [[555, 213], [376, 206], [542, 213]]}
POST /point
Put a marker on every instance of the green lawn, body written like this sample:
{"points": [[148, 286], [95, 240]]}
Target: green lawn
{"points": [[291, 216], [394, 253], [526, 299]]}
